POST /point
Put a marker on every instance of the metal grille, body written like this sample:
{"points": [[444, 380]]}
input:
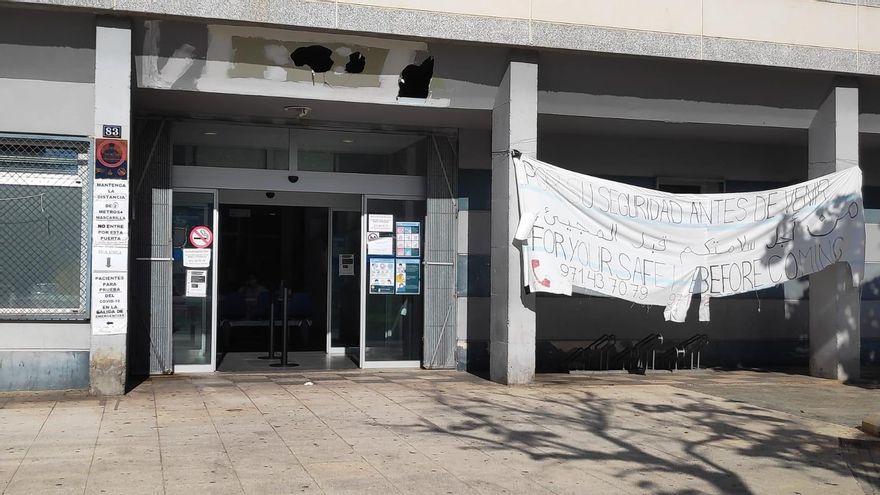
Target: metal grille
{"points": [[44, 227], [440, 250], [149, 344]]}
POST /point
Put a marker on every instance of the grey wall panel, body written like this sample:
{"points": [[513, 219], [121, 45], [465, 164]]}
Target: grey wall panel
{"points": [[616, 155], [47, 107], [45, 335], [47, 46], [47, 72], [440, 255], [44, 370]]}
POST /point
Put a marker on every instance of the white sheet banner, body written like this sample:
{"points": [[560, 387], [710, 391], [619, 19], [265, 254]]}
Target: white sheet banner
{"points": [[589, 235]]}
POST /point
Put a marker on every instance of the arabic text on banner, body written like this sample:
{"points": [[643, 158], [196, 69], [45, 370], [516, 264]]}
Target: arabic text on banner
{"points": [[589, 235]]}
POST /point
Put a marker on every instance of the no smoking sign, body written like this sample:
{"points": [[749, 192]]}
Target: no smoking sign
{"points": [[201, 237]]}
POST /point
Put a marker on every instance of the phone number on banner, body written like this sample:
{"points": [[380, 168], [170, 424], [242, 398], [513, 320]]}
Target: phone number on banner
{"points": [[605, 283]]}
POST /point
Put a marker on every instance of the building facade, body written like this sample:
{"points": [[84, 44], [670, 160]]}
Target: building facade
{"points": [[195, 186]]}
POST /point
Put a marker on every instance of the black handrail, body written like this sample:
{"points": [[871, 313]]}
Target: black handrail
{"points": [[600, 345], [572, 356], [691, 347], [583, 355], [630, 358], [604, 348]]}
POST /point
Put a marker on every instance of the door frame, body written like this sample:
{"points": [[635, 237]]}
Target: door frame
{"points": [[364, 363], [202, 368], [329, 348]]}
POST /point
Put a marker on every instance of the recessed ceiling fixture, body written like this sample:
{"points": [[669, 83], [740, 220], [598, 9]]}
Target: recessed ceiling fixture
{"points": [[301, 111], [348, 140], [209, 133]]}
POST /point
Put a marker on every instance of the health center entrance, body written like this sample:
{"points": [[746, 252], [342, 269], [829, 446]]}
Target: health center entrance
{"points": [[269, 279], [230, 315]]}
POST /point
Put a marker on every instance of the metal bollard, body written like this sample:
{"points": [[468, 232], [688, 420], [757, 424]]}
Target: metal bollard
{"points": [[285, 327], [271, 332]]}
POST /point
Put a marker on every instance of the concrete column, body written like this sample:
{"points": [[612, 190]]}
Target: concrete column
{"points": [[512, 323], [834, 302], [107, 353]]}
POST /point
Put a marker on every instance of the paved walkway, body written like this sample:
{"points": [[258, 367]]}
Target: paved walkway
{"points": [[434, 432]]}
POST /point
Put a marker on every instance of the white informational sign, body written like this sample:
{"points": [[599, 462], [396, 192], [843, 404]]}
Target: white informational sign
{"points": [[109, 303], [196, 258], [109, 259], [110, 213], [346, 265], [109, 291], [196, 283], [589, 235], [380, 223], [378, 244]]}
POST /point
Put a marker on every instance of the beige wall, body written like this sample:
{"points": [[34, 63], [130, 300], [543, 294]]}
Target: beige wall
{"points": [[816, 23]]}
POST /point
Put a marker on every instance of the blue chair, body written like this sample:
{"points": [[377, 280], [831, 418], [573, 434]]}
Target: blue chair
{"points": [[232, 306], [300, 306], [261, 311]]}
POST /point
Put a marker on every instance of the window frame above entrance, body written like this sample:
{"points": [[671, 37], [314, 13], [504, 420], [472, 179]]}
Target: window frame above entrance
{"points": [[294, 180]]}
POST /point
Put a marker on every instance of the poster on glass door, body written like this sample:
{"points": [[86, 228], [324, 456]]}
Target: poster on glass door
{"points": [[380, 243], [381, 275], [407, 276], [409, 235], [197, 283]]}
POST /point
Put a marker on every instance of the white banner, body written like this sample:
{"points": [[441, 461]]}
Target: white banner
{"points": [[589, 235]]}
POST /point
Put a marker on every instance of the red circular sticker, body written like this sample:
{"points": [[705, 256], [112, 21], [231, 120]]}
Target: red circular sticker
{"points": [[111, 153], [201, 236]]}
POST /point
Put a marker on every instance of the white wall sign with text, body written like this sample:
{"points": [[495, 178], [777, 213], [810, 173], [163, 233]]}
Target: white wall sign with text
{"points": [[110, 213], [196, 283], [380, 243], [196, 258], [109, 303], [380, 223]]}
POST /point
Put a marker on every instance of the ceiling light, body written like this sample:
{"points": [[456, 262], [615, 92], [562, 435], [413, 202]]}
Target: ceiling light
{"points": [[348, 141], [210, 133]]}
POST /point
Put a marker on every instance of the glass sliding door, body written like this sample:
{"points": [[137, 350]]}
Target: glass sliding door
{"points": [[194, 220], [343, 334], [392, 291]]}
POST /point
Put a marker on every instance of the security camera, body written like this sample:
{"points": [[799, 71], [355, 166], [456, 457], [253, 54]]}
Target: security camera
{"points": [[293, 178], [270, 195]]}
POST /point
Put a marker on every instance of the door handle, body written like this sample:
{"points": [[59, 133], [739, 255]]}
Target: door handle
{"points": [[154, 259]]}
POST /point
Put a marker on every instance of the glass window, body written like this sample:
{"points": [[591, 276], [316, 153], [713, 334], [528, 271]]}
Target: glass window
{"points": [[43, 228], [360, 152], [206, 144]]}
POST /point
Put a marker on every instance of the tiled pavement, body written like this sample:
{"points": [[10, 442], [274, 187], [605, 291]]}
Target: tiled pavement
{"points": [[439, 432]]}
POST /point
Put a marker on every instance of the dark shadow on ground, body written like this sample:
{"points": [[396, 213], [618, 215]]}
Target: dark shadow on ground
{"points": [[863, 459], [584, 426], [870, 375], [133, 381]]}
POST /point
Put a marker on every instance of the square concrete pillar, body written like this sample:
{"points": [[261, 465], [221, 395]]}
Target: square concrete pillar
{"points": [[512, 323], [834, 302], [107, 352]]}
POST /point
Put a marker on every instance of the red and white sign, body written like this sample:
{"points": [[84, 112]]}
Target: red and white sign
{"points": [[201, 237]]}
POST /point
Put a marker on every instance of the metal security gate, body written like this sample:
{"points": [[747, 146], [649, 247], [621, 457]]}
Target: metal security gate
{"points": [[149, 342], [440, 250]]}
